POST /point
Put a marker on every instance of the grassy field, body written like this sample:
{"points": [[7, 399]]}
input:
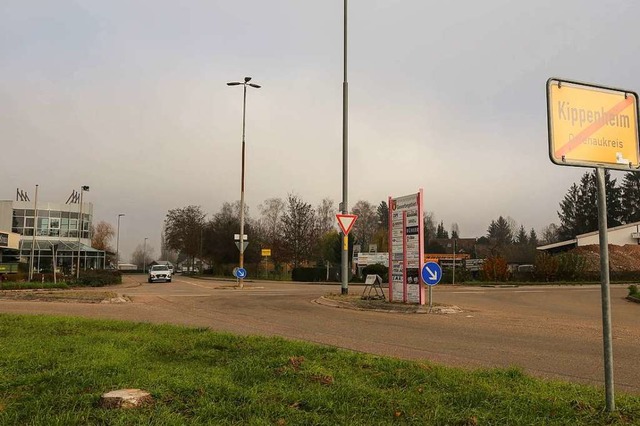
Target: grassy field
{"points": [[53, 371]]}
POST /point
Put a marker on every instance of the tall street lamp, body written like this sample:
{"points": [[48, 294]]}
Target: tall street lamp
{"points": [[144, 257], [118, 243], [81, 228], [345, 159], [244, 108]]}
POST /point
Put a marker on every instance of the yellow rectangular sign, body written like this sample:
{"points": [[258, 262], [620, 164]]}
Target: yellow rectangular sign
{"points": [[592, 126], [266, 252]]}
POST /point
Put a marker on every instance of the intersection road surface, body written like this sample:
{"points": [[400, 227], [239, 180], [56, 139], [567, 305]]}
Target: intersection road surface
{"points": [[549, 331]]}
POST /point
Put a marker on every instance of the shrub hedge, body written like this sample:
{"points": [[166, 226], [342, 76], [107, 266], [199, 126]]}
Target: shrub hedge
{"points": [[98, 278]]}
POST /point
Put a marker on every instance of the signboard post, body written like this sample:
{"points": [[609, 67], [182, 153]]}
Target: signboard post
{"points": [[406, 248], [595, 126], [345, 221], [431, 275]]}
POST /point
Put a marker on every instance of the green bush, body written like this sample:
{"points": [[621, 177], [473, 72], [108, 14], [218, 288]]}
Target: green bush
{"points": [[571, 267], [308, 274], [462, 275], [18, 277], [98, 278], [545, 267], [495, 269], [376, 269], [23, 285], [633, 291]]}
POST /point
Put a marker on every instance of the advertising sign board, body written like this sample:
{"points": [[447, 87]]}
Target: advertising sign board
{"points": [[406, 248]]}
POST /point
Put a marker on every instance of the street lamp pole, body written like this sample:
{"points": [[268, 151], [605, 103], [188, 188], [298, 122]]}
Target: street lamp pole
{"points": [[345, 160], [80, 229], [35, 230], [118, 243], [144, 257], [244, 108]]}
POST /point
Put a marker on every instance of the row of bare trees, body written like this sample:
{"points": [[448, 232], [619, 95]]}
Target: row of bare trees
{"points": [[296, 232]]}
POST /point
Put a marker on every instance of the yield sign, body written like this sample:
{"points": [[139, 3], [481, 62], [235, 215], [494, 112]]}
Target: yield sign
{"points": [[346, 222]]}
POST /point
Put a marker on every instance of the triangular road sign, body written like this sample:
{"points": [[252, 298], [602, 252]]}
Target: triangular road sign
{"points": [[346, 221]]}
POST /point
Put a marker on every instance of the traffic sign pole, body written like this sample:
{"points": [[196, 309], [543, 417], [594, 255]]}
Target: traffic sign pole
{"points": [[431, 275], [345, 221], [604, 289]]}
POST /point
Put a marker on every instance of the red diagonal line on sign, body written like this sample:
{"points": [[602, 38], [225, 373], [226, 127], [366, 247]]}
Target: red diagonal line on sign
{"points": [[594, 127]]}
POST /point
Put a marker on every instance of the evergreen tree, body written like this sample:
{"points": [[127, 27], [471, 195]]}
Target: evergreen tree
{"points": [[533, 238], [521, 237], [568, 213], [455, 230], [383, 215], [579, 209], [630, 194], [441, 232], [500, 231]]}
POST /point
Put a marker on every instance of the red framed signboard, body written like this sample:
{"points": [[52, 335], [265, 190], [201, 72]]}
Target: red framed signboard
{"points": [[406, 248]]}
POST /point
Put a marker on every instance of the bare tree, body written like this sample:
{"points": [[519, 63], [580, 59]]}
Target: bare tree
{"points": [[326, 214], [366, 224], [513, 225], [271, 212], [101, 236], [165, 252], [183, 230], [429, 226], [139, 257], [298, 231], [550, 234]]}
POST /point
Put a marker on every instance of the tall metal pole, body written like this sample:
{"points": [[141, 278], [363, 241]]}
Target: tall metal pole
{"points": [[79, 234], [118, 243], [345, 160], [604, 290], [241, 262], [35, 229], [144, 257], [244, 109], [453, 279]]}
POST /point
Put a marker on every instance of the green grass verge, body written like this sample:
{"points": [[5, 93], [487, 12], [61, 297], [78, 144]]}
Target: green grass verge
{"points": [[59, 296], [53, 371], [12, 285]]}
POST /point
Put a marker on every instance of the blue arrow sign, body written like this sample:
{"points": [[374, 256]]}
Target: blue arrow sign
{"points": [[241, 273], [431, 273]]}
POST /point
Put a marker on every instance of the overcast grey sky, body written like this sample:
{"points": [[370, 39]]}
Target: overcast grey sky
{"points": [[130, 98]]}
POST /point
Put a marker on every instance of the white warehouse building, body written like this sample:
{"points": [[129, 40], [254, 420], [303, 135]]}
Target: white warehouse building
{"points": [[619, 236]]}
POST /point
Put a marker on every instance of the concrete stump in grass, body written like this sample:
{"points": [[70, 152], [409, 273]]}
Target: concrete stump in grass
{"points": [[125, 398]]}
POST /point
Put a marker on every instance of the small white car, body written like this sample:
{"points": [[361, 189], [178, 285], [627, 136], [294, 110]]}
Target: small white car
{"points": [[159, 273]]}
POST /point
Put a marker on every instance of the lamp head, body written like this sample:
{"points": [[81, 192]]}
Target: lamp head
{"points": [[85, 188], [257, 86], [234, 83], [247, 79]]}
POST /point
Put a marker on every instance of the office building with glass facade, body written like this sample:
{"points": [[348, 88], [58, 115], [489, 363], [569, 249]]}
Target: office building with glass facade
{"points": [[58, 232]]}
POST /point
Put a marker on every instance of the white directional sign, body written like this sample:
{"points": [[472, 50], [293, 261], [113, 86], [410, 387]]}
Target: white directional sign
{"points": [[431, 273]]}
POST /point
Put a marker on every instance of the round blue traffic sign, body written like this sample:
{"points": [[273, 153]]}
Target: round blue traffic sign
{"points": [[240, 272], [431, 273]]}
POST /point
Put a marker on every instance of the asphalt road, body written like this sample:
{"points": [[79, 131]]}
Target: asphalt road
{"points": [[553, 332]]}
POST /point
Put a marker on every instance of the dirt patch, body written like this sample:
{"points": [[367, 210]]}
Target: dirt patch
{"points": [[358, 303], [64, 296], [621, 258]]}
